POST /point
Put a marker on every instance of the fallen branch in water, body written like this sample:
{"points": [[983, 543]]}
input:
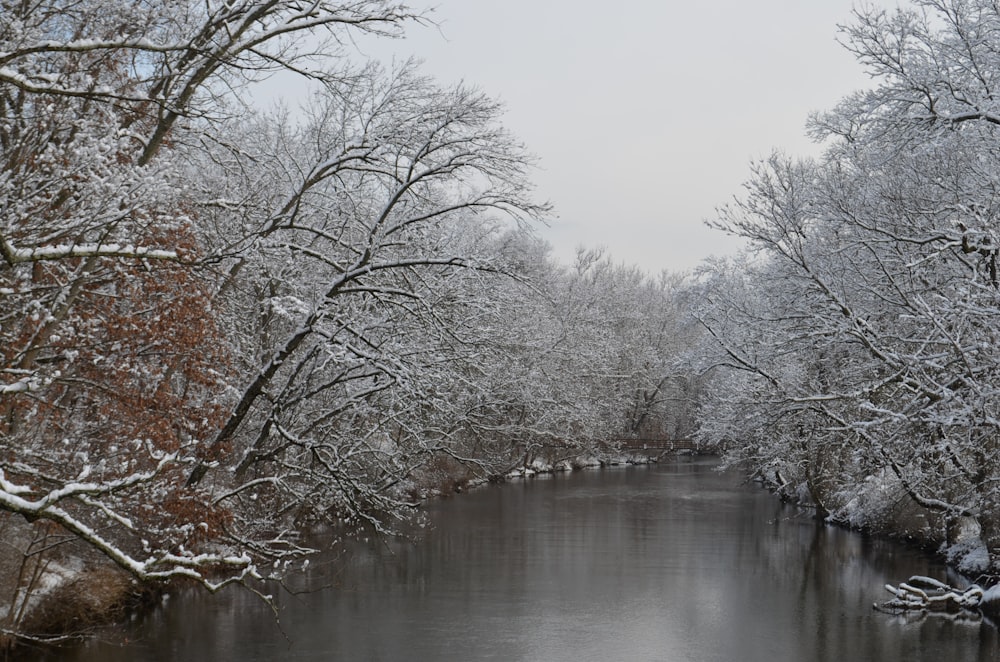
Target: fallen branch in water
{"points": [[927, 594]]}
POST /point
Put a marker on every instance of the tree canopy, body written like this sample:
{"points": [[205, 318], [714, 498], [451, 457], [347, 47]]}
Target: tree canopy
{"points": [[863, 328], [221, 324]]}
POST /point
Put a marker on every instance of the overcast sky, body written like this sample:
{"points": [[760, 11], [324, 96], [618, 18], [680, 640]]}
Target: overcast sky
{"points": [[644, 113]]}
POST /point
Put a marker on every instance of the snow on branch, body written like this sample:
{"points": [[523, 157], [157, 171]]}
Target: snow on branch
{"points": [[83, 45], [43, 85], [928, 594], [13, 255], [157, 566], [23, 385]]}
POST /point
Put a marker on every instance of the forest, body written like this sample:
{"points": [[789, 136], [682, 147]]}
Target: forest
{"points": [[221, 325]]}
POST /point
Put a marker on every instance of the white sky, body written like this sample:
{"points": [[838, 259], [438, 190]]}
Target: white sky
{"points": [[644, 113]]}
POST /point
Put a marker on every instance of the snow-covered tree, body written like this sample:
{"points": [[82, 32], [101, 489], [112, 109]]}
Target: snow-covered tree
{"points": [[357, 286], [218, 323], [592, 357], [867, 326], [187, 286]]}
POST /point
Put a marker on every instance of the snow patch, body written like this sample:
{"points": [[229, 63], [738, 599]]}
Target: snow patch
{"points": [[969, 555], [992, 595]]}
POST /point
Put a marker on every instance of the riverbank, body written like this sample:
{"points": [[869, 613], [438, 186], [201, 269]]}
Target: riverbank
{"points": [[436, 487], [959, 546], [53, 589]]}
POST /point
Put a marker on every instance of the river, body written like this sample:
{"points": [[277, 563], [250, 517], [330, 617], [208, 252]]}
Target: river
{"points": [[675, 562]]}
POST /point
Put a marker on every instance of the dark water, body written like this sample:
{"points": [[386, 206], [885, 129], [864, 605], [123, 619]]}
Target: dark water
{"points": [[675, 562]]}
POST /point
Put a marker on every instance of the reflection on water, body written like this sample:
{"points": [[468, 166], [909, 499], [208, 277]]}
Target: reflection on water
{"points": [[675, 562]]}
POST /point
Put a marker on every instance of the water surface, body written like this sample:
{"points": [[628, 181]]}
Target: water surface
{"points": [[676, 562]]}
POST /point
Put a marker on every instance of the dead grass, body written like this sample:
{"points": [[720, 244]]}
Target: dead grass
{"points": [[96, 596]]}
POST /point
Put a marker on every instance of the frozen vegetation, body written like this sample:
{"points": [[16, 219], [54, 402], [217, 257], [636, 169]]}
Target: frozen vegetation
{"points": [[221, 325], [855, 343]]}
